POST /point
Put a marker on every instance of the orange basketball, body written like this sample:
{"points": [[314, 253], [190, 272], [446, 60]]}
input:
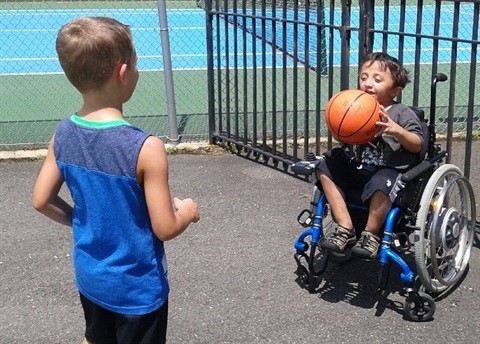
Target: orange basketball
{"points": [[351, 116]]}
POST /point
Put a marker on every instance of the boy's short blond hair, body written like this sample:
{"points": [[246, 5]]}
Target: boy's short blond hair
{"points": [[89, 48]]}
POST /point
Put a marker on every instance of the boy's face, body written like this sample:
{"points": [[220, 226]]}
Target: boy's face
{"points": [[378, 82]]}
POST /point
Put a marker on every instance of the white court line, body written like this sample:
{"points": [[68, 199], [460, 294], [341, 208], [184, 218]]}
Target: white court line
{"points": [[194, 69], [41, 12], [133, 28]]}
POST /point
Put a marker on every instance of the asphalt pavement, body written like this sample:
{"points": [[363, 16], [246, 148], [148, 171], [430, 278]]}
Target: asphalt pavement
{"points": [[232, 274]]}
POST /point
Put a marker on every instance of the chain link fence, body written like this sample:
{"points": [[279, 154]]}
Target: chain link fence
{"points": [[36, 95]]}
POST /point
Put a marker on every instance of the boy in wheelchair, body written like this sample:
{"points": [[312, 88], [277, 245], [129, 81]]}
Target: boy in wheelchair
{"points": [[374, 168]]}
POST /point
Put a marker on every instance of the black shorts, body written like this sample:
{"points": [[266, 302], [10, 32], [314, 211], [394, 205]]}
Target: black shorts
{"points": [[350, 176], [107, 327]]}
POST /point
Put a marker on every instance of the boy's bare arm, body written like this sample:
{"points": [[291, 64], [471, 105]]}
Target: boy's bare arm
{"points": [[45, 193], [152, 172]]}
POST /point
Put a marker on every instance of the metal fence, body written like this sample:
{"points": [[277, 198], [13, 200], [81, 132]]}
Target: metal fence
{"points": [[35, 94], [273, 65]]}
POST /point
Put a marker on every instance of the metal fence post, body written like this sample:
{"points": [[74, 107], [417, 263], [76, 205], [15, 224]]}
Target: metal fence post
{"points": [[167, 67]]}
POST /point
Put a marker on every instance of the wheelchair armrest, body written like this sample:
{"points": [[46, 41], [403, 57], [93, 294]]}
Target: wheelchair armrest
{"points": [[416, 171], [305, 167]]}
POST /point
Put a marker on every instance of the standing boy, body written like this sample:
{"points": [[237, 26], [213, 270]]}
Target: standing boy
{"points": [[117, 175], [374, 167]]}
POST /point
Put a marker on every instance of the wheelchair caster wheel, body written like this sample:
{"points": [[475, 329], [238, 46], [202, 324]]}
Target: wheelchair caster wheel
{"points": [[419, 307], [302, 273], [307, 280]]}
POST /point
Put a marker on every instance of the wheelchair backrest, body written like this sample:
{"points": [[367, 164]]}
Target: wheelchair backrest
{"points": [[426, 136]]}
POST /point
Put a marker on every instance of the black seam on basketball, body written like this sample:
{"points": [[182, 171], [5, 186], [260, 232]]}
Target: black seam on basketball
{"points": [[345, 115], [355, 132], [370, 117]]}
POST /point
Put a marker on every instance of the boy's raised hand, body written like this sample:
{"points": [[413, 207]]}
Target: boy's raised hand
{"points": [[386, 124]]}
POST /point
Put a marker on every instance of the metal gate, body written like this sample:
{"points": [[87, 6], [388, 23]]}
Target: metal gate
{"points": [[273, 66]]}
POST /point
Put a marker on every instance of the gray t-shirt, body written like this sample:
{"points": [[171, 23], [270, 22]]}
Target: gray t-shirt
{"points": [[386, 151]]}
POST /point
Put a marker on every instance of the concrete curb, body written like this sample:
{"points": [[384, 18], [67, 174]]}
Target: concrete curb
{"points": [[23, 154]]}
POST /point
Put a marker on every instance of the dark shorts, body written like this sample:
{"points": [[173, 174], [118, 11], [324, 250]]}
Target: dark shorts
{"points": [[352, 178], [106, 327]]}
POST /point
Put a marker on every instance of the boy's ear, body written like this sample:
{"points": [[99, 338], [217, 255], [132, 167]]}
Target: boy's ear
{"points": [[396, 91], [122, 72]]}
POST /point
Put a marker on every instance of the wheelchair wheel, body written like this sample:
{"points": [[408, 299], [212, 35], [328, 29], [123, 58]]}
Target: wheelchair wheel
{"points": [[446, 228], [419, 307]]}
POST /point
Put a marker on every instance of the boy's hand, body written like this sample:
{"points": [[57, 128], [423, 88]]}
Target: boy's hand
{"points": [[386, 124], [189, 204]]}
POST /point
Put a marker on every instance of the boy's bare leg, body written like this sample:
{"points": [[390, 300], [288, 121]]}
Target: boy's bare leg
{"points": [[336, 199], [380, 205], [85, 341]]}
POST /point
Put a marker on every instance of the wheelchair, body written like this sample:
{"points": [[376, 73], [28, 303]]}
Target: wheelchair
{"points": [[433, 216]]}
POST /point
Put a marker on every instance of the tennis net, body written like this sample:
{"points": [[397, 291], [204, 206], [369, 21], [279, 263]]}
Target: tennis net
{"points": [[295, 28]]}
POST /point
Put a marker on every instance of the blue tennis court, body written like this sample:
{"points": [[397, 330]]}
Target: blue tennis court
{"points": [[23, 52], [20, 32]]}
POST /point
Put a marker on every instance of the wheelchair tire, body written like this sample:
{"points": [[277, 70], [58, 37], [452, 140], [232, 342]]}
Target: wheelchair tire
{"points": [[446, 228], [419, 307]]}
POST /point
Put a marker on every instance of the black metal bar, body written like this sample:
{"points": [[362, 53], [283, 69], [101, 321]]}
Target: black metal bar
{"points": [[227, 71], [274, 78], [219, 99], [284, 75], [367, 24], [318, 79], [345, 39], [471, 91], [254, 79], [210, 74], [453, 77], [306, 94], [264, 76], [436, 31], [245, 74], [236, 97], [386, 21], [418, 52], [331, 37], [433, 101], [295, 88]]}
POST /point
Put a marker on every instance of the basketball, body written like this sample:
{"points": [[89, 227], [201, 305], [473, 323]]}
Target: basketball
{"points": [[351, 116]]}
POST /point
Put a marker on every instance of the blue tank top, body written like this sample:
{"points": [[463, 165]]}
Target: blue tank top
{"points": [[119, 263]]}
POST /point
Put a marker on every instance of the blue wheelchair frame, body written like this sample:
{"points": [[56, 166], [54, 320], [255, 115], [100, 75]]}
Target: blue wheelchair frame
{"points": [[386, 254]]}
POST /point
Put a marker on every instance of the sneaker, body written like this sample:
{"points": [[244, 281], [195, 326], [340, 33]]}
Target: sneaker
{"points": [[339, 239], [367, 247]]}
